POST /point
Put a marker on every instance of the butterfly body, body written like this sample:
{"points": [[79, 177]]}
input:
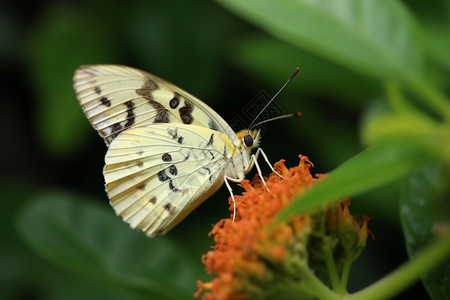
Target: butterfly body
{"points": [[167, 150]]}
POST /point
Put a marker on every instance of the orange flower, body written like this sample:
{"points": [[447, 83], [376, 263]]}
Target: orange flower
{"points": [[250, 260]]}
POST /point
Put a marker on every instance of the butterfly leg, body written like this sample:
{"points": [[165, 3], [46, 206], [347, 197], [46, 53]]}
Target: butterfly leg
{"points": [[226, 178], [267, 160], [255, 162]]}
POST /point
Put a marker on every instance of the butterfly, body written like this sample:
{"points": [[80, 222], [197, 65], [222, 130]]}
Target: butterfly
{"points": [[167, 150]]}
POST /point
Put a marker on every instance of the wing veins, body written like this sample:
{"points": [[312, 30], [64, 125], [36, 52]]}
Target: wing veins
{"points": [[163, 200]]}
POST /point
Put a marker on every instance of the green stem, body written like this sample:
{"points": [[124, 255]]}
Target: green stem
{"points": [[397, 100], [395, 96], [317, 288], [346, 272], [436, 252], [333, 273], [438, 102]]}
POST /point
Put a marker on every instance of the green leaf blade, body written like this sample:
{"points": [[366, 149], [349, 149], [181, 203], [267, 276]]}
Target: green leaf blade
{"points": [[378, 38], [94, 243], [369, 169], [424, 206]]}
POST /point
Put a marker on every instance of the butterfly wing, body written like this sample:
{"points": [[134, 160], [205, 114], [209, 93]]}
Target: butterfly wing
{"points": [[156, 175], [116, 98]]}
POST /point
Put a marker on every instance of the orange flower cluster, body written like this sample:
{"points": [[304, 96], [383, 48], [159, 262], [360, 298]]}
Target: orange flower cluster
{"points": [[249, 255]]}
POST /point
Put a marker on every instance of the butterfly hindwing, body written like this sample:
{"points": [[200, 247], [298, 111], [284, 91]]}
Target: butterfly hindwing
{"points": [[116, 98], [156, 175]]}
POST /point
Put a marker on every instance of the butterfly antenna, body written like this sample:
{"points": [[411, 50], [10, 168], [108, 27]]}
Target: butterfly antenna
{"points": [[270, 101], [296, 114]]}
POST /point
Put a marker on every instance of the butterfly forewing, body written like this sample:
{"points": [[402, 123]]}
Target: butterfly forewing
{"points": [[156, 175], [116, 98]]}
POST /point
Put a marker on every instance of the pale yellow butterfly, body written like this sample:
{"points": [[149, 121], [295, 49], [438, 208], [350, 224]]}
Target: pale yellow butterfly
{"points": [[167, 150]]}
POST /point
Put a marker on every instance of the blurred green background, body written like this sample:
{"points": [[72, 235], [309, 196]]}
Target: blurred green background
{"points": [[51, 175]]}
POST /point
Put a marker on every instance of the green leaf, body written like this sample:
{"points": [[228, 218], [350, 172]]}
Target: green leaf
{"points": [[16, 265], [92, 242], [424, 205], [375, 37], [59, 284], [374, 167]]}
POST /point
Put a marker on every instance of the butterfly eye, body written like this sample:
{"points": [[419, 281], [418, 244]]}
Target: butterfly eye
{"points": [[248, 140]]}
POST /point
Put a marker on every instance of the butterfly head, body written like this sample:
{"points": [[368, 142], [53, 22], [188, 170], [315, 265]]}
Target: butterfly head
{"points": [[249, 138]]}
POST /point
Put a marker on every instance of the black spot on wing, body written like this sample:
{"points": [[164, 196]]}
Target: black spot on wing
{"points": [[186, 112], [172, 187], [209, 173], [162, 114], [116, 129], [147, 88], [173, 133], [152, 200], [105, 101], [98, 90], [175, 101], [162, 175], [211, 140], [212, 125], [166, 157], [130, 114], [173, 170], [170, 208]]}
